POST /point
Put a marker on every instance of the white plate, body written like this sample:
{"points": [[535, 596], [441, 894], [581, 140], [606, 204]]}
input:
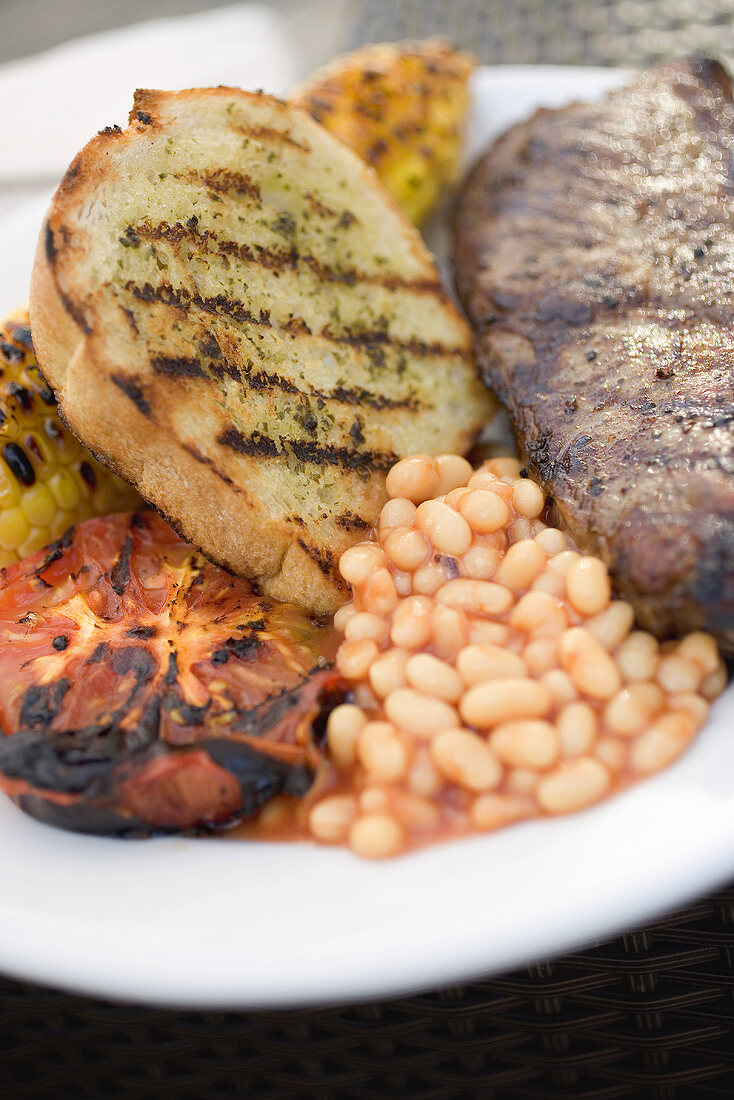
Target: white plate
{"points": [[211, 922]]}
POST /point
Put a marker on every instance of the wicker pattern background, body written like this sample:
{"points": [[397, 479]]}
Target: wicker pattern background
{"points": [[564, 32], [648, 1015]]}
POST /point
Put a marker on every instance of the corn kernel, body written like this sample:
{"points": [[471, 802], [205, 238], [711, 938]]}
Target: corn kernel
{"points": [[38, 506], [39, 537], [64, 489], [33, 515], [14, 528], [9, 488]]}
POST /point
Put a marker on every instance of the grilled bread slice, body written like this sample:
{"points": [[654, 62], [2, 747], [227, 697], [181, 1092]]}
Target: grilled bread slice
{"points": [[236, 318]]}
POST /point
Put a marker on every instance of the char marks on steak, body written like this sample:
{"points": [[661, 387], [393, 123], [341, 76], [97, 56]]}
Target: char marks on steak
{"points": [[595, 258]]}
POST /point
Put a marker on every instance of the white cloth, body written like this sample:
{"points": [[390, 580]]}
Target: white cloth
{"points": [[53, 103]]}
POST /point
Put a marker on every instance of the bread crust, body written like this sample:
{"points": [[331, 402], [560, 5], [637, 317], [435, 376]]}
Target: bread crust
{"points": [[214, 499]]}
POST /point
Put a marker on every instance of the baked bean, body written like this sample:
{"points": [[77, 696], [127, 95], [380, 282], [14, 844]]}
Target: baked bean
{"points": [[366, 625], [484, 510], [541, 655], [379, 594], [482, 630], [387, 672], [588, 664], [427, 579], [504, 466], [551, 541], [342, 730], [417, 813], [560, 685], [483, 479], [588, 585], [455, 496], [528, 498], [489, 639], [450, 631], [478, 663], [364, 697], [573, 786], [479, 597], [331, 819], [520, 530], [633, 708], [423, 779], [403, 583], [376, 836], [503, 489], [523, 781], [713, 685], [662, 742], [359, 562], [406, 548], [412, 623], [694, 705], [343, 615], [612, 626], [374, 800], [702, 650], [677, 674], [612, 752], [274, 814], [526, 744], [434, 677], [419, 714], [382, 753], [520, 566], [488, 704], [453, 471], [577, 727], [637, 656], [447, 530], [464, 758], [397, 512], [354, 658], [560, 564], [554, 586], [540, 614], [481, 562], [416, 478], [492, 811]]}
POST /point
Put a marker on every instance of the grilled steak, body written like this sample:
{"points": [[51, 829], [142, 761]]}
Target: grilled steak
{"points": [[146, 690], [595, 257], [237, 319]]}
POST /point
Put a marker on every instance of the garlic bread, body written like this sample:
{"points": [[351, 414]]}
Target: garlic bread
{"points": [[237, 319]]}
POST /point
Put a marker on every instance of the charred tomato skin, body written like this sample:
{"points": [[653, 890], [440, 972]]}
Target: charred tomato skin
{"points": [[180, 700]]}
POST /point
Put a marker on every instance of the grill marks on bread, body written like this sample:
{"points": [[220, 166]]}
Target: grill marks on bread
{"points": [[256, 300]]}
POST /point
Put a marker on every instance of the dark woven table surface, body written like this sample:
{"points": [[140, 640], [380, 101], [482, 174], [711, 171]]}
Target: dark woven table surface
{"points": [[650, 1014]]}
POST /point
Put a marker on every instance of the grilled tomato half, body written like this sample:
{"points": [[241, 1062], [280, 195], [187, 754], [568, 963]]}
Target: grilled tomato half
{"points": [[145, 690]]}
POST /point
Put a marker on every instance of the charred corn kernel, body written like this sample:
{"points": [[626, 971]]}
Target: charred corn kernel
{"points": [[400, 106], [48, 481]]}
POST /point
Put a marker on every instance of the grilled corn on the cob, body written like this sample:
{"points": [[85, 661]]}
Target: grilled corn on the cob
{"points": [[401, 107], [48, 481]]}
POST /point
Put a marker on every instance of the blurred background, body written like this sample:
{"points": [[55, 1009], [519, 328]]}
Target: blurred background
{"points": [[572, 32]]}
